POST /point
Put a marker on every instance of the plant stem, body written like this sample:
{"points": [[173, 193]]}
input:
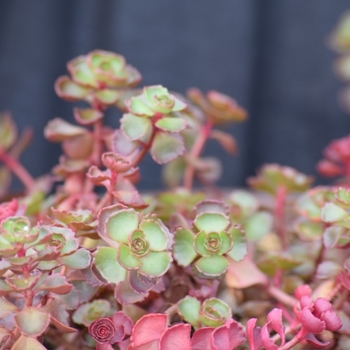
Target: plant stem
{"points": [[290, 344], [97, 150], [279, 215], [281, 296], [195, 152], [18, 169], [145, 148]]}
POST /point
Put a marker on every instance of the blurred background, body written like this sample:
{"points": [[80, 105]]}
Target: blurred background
{"points": [[270, 55]]}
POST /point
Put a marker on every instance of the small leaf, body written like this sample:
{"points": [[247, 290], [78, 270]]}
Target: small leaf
{"points": [[332, 235], [6, 307], [258, 225], [135, 127], [87, 116], [8, 131], [32, 322], [105, 260], [58, 130], [177, 337], [69, 90], [122, 145], [171, 124], [333, 213], [239, 250], [107, 96], [213, 266], [166, 147], [155, 264], [211, 222], [327, 269], [79, 260], [127, 259], [55, 284], [227, 141], [189, 309], [183, 250], [27, 343], [154, 233]]}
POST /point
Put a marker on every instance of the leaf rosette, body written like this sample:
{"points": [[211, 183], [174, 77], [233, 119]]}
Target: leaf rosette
{"points": [[212, 241], [140, 243]]}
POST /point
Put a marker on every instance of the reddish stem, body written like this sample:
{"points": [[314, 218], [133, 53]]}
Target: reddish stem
{"points": [[112, 184], [195, 152], [18, 169], [279, 215], [146, 147]]}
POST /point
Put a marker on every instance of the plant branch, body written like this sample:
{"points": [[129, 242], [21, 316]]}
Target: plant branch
{"points": [[281, 296], [18, 169], [195, 152], [146, 147]]}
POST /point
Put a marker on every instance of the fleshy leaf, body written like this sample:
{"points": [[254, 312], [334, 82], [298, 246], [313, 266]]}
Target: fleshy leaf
{"points": [[332, 235], [183, 250], [6, 307], [122, 145], [155, 235], [139, 106], [239, 250], [155, 264], [8, 131], [166, 147], [189, 309], [148, 330], [214, 312], [58, 130], [258, 225], [176, 337], [79, 260], [171, 124], [69, 90], [107, 96], [27, 343], [333, 213], [32, 322], [127, 259], [55, 283], [135, 127], [212, 266], [105, 259], [229, 336], [211, 222], [87, 116]]}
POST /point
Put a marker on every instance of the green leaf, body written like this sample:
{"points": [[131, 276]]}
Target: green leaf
{"points": [[107, 96], [135, 127], [138, 105], [79, 260], [213, 266], [332, 235], [127, 259], [258, 225], [90, 312], [328, 269], [211, 222], [105, 259], [166, 147], [27, 343], [6, 308], [239, 250], [155, 235], [69, 90], [309, 230], [214, 312], [121, 224], [183, 250], [8, 131], [87, 116], [171, 124], [155, 264], [199, 244], [333, 213], [32, 322], [58, 130], [189, 309], [55, 284]]}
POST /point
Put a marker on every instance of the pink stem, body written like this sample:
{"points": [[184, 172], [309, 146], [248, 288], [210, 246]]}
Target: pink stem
{"points": [[279, 215], [195, 152], [18, 169]]}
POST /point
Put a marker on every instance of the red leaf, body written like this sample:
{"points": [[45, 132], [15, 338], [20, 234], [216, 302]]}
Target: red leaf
{"points": [[177, 337], [253, 334], [274, 319], [147, 331], [228, 336], [310, 323], [201, 339]]}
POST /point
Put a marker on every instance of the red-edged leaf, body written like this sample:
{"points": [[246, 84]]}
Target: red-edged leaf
{"points": [[310, 323], [27, 343], [228, 336], [253, 334], [267, 342], [274, 318], [176, 338], [201, 339], [148, 330]]}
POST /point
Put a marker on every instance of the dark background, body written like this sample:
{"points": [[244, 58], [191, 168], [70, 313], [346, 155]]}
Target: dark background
{"points": [[271, 55]]}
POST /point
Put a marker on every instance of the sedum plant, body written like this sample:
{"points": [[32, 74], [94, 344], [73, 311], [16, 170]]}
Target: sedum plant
{"points": [[88, 261]]}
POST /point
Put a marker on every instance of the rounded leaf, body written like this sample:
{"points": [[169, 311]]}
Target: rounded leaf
{"points": [[213, 266], [166, 147], [177, 337], [154, 233], [333, 213], [189, 309], [171, 124], [211, 222], [127, 259], [155, 264], [183, 250], [135, 127], [32, 322]]}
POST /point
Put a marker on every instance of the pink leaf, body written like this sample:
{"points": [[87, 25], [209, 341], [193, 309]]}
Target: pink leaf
{"points": [[274, 318], [311, 339], [321, 305], [253, 334], [332, 321], [310, 323], [228, 336], [122, 320], [267, 342], [201, 339], [177, 337], [147, 331], [303, 290]]}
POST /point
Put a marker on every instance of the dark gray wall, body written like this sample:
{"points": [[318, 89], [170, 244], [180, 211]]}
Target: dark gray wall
{"points": [[270, 55]]}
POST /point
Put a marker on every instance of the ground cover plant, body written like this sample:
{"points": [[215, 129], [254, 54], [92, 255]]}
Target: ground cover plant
{"points": [[89, 262]]}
